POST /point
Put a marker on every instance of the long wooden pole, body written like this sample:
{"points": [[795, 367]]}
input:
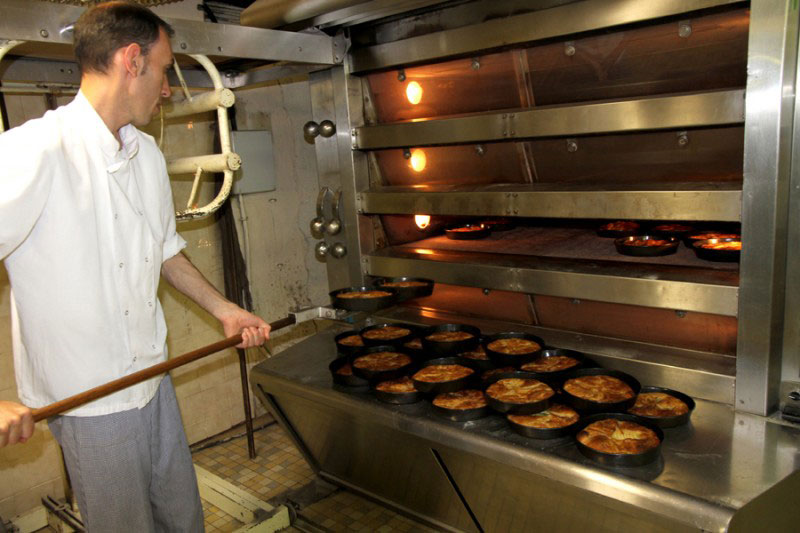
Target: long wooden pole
{"points": [[142, 375]]}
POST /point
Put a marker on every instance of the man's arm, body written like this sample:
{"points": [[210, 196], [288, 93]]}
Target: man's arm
{"points": [[16, 423], [182, 274]]}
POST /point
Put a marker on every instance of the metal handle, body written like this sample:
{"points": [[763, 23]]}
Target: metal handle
{"points": [[318, 223], [335, 225], [326, 128]]}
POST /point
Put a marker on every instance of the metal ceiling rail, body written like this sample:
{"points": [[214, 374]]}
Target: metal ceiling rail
{"points": [[715, 108], [51, 23], [723, 203], [549, 23]]}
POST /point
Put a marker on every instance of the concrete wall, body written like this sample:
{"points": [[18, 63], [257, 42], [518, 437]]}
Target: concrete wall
{"points": [[284, 275]]}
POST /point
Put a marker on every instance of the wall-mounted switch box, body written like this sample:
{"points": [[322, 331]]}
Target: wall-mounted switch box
{"points": [[257, 173]]}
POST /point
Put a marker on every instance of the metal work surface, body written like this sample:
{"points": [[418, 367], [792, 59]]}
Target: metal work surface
{"points": [[709, 470], [666, 112], [721, 202]]}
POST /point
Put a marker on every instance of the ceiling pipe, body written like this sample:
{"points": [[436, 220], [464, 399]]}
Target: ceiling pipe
{"points": [[275, 13]]}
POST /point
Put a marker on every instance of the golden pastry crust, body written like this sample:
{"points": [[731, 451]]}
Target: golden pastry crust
{"points": [[449, 336], [672, 227], [514, 346], [442, 373], [466, 229], [405, 284], [516, 390], [550, 364], [397, 386], [618, 436], [713, 235], [479, 353], [414, 344], [620, 225], [557, 416], [460, 400], [363, 294], [601, 389], [380, 361], [724, 245], [658, 405], [386, 333], [345, 370], [351, 340]]}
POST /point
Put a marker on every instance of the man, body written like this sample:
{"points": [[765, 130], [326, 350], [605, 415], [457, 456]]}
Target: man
{"points": [[86, 227]]}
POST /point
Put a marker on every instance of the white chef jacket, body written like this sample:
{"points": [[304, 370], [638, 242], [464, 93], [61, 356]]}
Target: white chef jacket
{"points": [[84, 228]]}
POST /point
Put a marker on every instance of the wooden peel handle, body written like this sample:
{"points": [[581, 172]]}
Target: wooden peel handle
{"points": [[137, 377]]}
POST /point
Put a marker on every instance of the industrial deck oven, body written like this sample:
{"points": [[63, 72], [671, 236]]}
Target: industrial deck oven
{"points": [[562, 116]]}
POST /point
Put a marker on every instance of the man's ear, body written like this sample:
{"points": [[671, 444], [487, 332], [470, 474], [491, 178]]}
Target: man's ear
{"points": [[132, 59]]}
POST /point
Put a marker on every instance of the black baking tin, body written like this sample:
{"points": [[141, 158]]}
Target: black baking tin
{"points": [[399, 341], [647, 251], [397, 398], [708, 254], [407, 293], [670, 421], [557, 376], [585, 406], [620, 459], [447, 348], [362, 304], [461, 415], [517, 408], [503, 359], [382, 375], [344, 349], [444, 386], [345, 381], [544, 433]]}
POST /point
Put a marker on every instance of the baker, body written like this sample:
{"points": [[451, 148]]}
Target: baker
{"points": [[87, 228]]}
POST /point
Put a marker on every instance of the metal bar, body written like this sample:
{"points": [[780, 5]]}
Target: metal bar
{"points": [[716, 108], [209, 163], [768, 145], [536, 201], [544, 24], [47, 23], [574, 283]]}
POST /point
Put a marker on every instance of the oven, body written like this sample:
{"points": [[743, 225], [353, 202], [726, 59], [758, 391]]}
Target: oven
{"points": [[559, 117]]}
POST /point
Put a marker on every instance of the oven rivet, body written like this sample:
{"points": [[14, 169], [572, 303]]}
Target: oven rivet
{"points": [[476, 63], [515, 211], [575, 301], [683, 138], [684, 28], [505, 133], [572, 145], [513, 132], [480, 149], [183, 46], [569, 48], [681, 314], [486, 292], [401, 75]]}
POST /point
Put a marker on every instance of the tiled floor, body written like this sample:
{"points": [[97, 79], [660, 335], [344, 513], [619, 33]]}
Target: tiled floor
{"points": [[279, 468]]}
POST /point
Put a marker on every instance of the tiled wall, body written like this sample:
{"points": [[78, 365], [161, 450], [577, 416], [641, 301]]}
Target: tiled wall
{"points": [[284, 275]]}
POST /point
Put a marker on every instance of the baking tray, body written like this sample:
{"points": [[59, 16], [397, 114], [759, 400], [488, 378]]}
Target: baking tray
{"points": [[622, 245], [362, 304], [407, 293], [518, 408], [620, 459], [461, 415], [448, 348], [505, 359], [669, 421], [413, 332], [544, 433], [444, 386], [345, 381], [397, 398], [345, 349], [382, 375], [728, 256], [585, 406]]}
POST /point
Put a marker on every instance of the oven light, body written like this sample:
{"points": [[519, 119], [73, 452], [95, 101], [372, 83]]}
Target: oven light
{"points": [[418, 160], [423, 221], [414, 92]]}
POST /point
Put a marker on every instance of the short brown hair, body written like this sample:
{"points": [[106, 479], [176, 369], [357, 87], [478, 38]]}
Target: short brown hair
{"points": [[107, 27]]}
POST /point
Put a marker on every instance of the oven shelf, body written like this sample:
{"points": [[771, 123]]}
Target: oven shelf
{"points": [[681, 201], [571, 263]]}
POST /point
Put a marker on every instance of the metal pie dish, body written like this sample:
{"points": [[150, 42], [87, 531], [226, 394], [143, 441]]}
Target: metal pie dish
{"points": [[690, 238], [479, 365], [439, 387], [527, 408], [381, 375], [616, 234], [669, 421], [450, 348], [363, 304], [478, 233], [556, 377], [716, 255], [619, 459], [624, 247], [345, 349], [399, 341], [583, 405], [407, 293], [345, 381], [462, 415], [544, 433], [498, 224], [397, 398], [501, 359]]}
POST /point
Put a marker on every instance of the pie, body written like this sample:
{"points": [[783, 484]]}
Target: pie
{"points": [[386, 333], [404, 284], [345, 370], [449, 336], [557, 416], [478, 353], [414, 344], [463, 399], [550, 364], [381, 361], [514, 346], [516, 390], [466, 229], [363, 294], [647, 242], [620, 225], [442, 373], [396, 386], [672, 227], [658, 405], [489, 373], [725, 245], [351, 340], [601, 389], [712, 235], [618, 436]]}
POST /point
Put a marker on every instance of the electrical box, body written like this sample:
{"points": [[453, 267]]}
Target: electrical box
{"points": [[257, 173]]}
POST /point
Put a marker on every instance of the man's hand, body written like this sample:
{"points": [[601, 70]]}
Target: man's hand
{"points": [[253, 329], [16, 423]]}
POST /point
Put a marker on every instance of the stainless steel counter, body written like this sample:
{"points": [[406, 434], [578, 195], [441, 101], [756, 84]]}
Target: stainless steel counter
{"points": [[723, 471]]}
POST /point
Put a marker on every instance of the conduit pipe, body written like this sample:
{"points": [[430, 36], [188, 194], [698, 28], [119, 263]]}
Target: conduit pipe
{"points": [[4, 48], [274, 13]]}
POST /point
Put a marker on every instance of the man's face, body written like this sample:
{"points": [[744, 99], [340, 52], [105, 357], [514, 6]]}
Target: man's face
{"points": [[151, 84]]}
